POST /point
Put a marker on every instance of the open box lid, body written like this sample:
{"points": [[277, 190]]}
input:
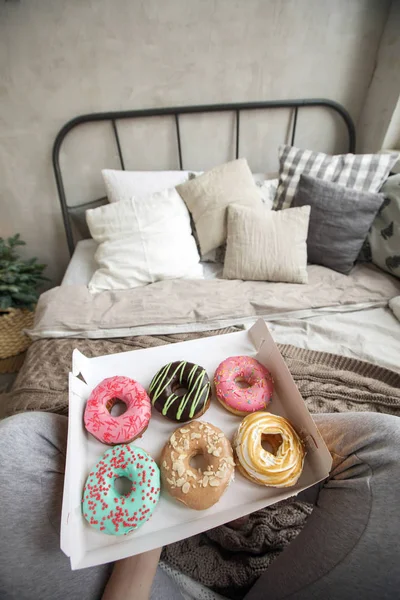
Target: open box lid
{"points": [[268, 354]]}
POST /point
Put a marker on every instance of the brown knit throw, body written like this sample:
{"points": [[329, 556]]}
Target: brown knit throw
{"points": [[224, 559], [42, 383], [327, 382]]}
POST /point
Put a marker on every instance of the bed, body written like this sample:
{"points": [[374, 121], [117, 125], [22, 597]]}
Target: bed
{"points": [[336, 321], [348, 315]]}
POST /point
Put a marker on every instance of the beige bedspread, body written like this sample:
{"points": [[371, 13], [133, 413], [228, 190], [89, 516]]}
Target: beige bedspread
{"points": [[197, 305]]}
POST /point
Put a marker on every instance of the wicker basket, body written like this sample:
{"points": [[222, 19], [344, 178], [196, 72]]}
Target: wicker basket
{"points": [[12, 339]]}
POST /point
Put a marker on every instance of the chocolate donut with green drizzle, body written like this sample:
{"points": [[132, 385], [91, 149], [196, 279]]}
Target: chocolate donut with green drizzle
{"points": [[168, 395]]}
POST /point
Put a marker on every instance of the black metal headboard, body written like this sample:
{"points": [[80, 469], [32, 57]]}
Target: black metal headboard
{"points": [[176, 112]]}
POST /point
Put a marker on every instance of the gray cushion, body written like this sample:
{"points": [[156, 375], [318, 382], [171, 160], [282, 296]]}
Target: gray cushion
{"points": [[384, 237], [339, 221]]}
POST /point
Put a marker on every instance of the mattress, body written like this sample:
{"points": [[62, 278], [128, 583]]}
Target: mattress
{"points": [[82, 265]]}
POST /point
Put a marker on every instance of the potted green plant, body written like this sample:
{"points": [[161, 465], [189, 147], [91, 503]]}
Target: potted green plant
{"points": [[19, 282]]}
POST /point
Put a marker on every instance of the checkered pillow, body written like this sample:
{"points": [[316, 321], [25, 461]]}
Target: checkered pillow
{"points": [[362, 172]]}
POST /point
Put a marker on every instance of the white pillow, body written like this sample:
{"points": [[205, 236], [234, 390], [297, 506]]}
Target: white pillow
{"points": [[267, 245], [143, 240], [122, 185]]}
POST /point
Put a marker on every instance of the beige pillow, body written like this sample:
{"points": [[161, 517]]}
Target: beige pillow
{"points": [[267, 245], [208, 196]]}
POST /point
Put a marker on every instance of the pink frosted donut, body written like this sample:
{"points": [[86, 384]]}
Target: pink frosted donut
{"points": [[239, 400], [128, 426]]}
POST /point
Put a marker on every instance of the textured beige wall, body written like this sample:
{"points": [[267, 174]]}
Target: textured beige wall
{"points": [[379, 125], [61, 58]]}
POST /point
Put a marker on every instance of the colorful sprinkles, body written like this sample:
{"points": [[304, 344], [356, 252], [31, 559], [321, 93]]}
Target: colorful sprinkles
{"points": [[104, 507], [128, 426]]}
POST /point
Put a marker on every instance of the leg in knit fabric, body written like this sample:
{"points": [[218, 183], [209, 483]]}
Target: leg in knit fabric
{"points": [[349, 547], [32, 566]]}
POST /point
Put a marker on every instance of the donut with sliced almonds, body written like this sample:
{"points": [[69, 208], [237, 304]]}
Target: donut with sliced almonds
{"points": [[197, 488]]}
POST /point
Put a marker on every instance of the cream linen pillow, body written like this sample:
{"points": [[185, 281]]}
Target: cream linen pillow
{"points": [[267, 189], [143, 240], [208, 196], [267, 245]]}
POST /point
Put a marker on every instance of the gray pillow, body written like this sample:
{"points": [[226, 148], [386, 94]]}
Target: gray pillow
{"points": [[384, 236], [339, 222]]}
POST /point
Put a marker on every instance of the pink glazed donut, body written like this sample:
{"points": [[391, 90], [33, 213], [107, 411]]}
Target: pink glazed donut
{"points": [[128, 426], [239, 400]]}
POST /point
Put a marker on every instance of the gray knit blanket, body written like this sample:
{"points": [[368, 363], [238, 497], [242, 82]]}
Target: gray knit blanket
{"points": [[227, 559]]}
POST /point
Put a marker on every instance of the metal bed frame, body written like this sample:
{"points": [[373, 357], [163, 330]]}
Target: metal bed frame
{"points": [[176, 112]]}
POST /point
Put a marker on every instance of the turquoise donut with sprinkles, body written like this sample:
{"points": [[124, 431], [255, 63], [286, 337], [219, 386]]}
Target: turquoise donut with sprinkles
{"points": [[104, 507], [180, 391]]}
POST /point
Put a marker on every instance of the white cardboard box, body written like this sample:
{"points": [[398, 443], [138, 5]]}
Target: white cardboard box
{"points": [[171, 520]]}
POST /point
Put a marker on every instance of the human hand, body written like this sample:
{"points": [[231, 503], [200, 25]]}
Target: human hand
{"points": [[132, 577]]}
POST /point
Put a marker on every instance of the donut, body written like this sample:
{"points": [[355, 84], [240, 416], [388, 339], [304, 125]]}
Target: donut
{"points": [[104, 507], [175, 376], [128, 426], [280, 468], [238, 400], [198, 489]]}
